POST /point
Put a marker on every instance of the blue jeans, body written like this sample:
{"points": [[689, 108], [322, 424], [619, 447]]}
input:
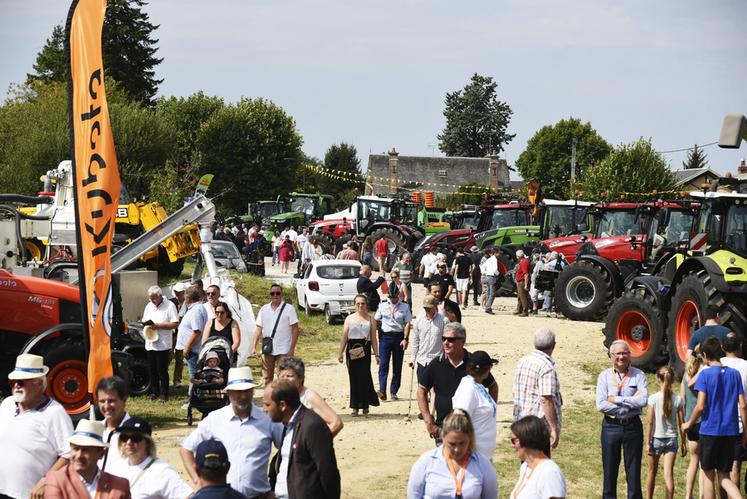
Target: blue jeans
{"points": [[389, 346], [627, 438], [192, 364]]}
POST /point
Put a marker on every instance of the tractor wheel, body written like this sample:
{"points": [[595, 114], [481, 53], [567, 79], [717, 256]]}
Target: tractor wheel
{"points": [[328, 246], [67, 380], [395, 243], [583, 291], [636, 319], [692, 296], [140, 382], [508, 285], [34, 249]]}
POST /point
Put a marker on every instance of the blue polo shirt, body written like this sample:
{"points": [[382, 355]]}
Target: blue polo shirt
{"points": [[393, 318], [722, 386], [700, 335]]}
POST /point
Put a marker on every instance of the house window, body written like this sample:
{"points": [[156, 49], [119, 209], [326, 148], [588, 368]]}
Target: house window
{"points": [[442, 173]]}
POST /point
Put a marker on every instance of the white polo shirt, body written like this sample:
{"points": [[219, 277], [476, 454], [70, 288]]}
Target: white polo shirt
{"points": [[32, 442], [159, 479], [283, 337], [165, 312]]}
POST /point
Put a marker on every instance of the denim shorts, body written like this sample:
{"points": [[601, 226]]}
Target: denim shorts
{"points": [[664, 445]]}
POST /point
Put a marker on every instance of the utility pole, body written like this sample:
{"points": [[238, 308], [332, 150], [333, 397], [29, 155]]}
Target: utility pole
{"points": [[573, 161]]}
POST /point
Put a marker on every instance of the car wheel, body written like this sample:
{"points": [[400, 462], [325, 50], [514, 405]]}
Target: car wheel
{"points": [[307, 308], [331, 319]]}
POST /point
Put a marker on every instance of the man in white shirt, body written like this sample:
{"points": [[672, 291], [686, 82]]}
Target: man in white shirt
{"points": [[490, 276], [277, 325], [425, 264], [213, 297], [33, 430], [111, 393], [245, 431], [292, 233], [161, 315], [426, 334], [732, 346]]}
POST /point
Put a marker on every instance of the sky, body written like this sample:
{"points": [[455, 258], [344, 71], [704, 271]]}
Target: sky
{"points": [[375, 73]]}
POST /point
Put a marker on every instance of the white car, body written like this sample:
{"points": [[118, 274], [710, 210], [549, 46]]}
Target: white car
{"points": [[329, 286]]}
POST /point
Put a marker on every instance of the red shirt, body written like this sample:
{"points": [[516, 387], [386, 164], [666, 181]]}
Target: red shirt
{"points": [[381, 247], [522, 271]]}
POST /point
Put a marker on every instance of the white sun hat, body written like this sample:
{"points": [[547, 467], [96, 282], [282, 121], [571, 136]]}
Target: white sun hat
{"points": [[150, 333], [28, 366], [88, 434], [240, 378]]}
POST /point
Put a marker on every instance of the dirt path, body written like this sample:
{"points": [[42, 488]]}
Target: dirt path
{"points": [[375, 453]]}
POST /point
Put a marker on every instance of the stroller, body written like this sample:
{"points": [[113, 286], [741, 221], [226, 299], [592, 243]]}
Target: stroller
{"points": [[208, 397]]}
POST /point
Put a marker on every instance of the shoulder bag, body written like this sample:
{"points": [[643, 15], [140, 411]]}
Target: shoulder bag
{"points": [[267, 340]]}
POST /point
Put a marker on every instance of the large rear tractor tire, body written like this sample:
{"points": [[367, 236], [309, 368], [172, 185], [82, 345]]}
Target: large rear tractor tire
{"points": [[584, 291], [692, 296], [67, 380], [636, 319], [396, 245], [140, 382], [507, 285]]}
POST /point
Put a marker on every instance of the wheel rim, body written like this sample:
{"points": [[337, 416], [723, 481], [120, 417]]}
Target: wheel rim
{"points": [[33, 250], [688, 318], [580, 291], [635, 328], [68, 384]]}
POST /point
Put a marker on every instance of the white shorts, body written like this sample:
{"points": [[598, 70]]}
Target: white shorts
{"points": [[533, 293], [462, 284]]}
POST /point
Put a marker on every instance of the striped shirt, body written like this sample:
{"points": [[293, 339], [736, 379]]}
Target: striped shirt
{"points": [[426, 338], [535, 378]]}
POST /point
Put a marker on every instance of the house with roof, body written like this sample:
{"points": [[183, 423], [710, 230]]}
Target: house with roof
{"points": [[693, 179]]}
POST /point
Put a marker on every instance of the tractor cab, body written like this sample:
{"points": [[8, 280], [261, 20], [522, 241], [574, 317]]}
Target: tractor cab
{"points": [[303, 209]]}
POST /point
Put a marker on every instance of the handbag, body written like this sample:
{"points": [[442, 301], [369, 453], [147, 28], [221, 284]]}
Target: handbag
{"points": [[267, 340], [356, 352]]}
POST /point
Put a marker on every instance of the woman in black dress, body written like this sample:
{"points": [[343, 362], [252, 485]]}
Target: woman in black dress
{"points": [[358, 339], [224, 326]]}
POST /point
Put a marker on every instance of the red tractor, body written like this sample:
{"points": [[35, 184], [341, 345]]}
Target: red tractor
{"points": [[629, 240]]}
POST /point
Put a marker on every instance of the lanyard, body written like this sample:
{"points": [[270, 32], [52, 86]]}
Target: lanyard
{"points": [[621, 384], [525, 477], [152, 460], [457, 476]]}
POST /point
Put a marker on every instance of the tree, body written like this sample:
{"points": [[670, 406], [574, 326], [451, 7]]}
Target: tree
{"points": [[632, 172], [128, 51], [696, 158], [547, 157], [253, 148], [476, 120], [341, 157]]}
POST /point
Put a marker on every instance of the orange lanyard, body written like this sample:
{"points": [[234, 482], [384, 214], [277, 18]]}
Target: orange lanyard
{"points": [[621, 384], [525, 477], [457, 476]]}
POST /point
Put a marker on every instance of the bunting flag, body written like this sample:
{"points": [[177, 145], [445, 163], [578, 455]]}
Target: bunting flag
{"points": [[95, 177]]}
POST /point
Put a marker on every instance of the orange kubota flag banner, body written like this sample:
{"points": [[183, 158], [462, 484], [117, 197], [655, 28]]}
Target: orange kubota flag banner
{"points": [[96, 178]]}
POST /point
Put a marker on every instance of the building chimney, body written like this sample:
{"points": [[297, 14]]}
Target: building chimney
{"points": [[393, 164], [493, 170], [742, 169]]}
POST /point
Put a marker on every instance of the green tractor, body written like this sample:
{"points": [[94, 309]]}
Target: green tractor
{"points": [[303, 209], [261, 211], [434, 220], [658, 313]]}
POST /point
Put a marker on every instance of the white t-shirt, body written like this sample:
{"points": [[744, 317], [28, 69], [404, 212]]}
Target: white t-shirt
{"points": [[741, 366], [293, 235], [165, 312], [664, 427], [283, 336], [544, 482], [113, 457], [477, 402], [159, 480], [427, 260], [32, 442]]}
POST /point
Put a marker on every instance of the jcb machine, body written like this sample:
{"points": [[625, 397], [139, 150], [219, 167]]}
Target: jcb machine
{"points": [[658, 313]]}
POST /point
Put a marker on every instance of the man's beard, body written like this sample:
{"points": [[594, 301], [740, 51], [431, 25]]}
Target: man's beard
{"points": [[19, 397]]}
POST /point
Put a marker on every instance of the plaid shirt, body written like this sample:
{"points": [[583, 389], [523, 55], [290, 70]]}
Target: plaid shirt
{"points": [[536, 377]]}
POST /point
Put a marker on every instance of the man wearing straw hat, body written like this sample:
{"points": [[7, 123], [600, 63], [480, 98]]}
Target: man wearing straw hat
{"points": [[33, 430], [246, 432], [81, 477], [160, 318]]}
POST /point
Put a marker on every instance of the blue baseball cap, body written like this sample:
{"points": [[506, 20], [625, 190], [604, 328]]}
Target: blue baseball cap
{"points": [[211, 453]]}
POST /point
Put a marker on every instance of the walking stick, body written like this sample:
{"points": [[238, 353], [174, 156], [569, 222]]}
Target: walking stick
{"points": [[409, 406]]}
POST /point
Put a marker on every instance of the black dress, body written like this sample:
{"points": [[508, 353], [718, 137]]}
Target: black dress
{"points": [[224, 333], [362, 391]]}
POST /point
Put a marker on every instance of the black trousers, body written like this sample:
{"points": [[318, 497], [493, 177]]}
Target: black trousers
{"points": [[158, 362], [627, 438], [476, 287]]}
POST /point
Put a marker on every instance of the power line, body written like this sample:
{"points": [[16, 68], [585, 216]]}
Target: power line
{"points": [[688, 148]]}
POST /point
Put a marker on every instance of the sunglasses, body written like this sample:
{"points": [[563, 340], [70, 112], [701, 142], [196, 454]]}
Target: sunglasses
{"points": [[19, 382], [211, 293], [450, 339], [275, 293], [135, 438]]}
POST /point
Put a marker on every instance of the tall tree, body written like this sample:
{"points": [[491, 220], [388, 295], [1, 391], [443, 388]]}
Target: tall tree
{"points": [[129, 51], [547, 157], [696, 158], [476, 121], [341, 157], [632, 172]]}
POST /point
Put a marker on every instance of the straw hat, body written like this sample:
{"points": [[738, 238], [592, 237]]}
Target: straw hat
{"points": [[88, 434], [240, 378], [179, 287], [28, 366], [150, 333]]}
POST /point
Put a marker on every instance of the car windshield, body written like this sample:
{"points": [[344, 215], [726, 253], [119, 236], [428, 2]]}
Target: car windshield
{"points": [[225, 250], [338, 271], [508, 218], [561, 221], [303, 205], [736, 229], [617, 223]]}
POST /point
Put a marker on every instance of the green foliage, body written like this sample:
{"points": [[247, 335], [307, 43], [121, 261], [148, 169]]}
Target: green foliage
{"points": [[128, 51], [169, 189], [247, 146], [466, 194], [342, 157], [696, 158], [476, 120], [630, 168], [547, 157]]}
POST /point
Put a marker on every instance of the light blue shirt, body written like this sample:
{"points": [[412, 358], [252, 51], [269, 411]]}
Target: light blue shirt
{"points": [[629, 399], [248, 442], [393, 318], [430, 477], [194, 319]]}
